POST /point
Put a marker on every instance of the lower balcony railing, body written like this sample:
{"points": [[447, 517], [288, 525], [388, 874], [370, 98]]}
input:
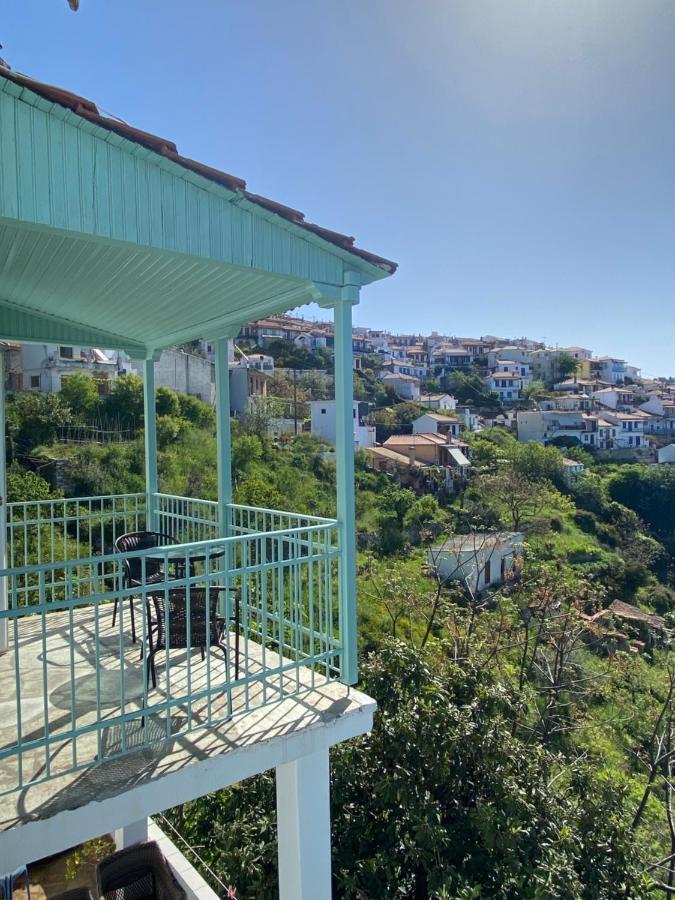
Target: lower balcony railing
{"points": [[223, 625]]}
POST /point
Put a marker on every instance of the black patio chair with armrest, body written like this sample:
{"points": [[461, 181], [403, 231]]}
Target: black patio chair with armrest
{"points": [[207, 627], [139, 572], [137, 873]]}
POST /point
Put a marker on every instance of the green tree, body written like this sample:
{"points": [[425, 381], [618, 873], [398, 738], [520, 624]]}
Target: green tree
{"points": [[24, 486], [538, 463], [124, 404], [195, 411], [535, 390], [650, 492], [513, 496], [566, 366], [167, 403], [79, 392], [441, 800], [34, 419]]}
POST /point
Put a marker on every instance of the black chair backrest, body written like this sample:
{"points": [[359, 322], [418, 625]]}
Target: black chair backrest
{"points": [[137, 873], [142, 540], [171, 615]]}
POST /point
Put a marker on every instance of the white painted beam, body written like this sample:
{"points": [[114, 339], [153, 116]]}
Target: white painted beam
{"points": [[44, 837], [134, 833], [303, 828]]}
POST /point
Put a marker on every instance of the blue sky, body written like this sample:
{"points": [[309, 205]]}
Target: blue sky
{"points": [[515, 157]]}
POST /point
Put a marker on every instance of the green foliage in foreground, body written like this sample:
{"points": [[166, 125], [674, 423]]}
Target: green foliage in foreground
{"points": [[440, 801]]}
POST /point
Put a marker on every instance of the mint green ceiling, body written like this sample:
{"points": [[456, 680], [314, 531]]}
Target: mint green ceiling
{"points": [[105, 243]]}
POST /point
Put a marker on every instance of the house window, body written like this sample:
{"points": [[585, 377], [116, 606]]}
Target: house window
{"points": [[35, 381], [323, 412], [66, 352], [487, 573]]}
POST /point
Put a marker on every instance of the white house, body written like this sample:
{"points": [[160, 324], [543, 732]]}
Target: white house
{"points": [[439, 402], [324, 424], [629, 428], [572, 470], [436, 423], [666, 455], [406, 386], [184, 372], [617, 398], [516, 368], [479, 559], [609, 368], [45, 365], [661, 411], [508, 385], [472, 420], [407, 366]]}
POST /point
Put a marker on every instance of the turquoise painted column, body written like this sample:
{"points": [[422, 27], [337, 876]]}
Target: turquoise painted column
{"points": [[3, 507], [150, 432], [224, 438], [344, 444]]}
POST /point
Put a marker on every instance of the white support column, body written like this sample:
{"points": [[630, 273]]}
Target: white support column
{"points": [[150, 433], [344, 445], [303, 828], [224, 440], [134, 833], [3, 506]]}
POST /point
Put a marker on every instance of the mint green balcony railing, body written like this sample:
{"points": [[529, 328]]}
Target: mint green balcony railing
{"points": [[76, 690]]}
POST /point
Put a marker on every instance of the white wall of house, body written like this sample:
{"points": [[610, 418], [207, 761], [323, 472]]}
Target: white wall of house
{"points": [[324, 424], [183, 372], [666, 455], [479, 560], [440, 402], [407, 387], [44, 365], [436, 423]]}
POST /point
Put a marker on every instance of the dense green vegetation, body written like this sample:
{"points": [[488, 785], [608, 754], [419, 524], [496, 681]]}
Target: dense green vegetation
{"points": [[517, 751]]}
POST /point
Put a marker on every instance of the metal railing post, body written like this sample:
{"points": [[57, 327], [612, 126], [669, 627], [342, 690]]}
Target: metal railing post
{"points": [[150, 435]]}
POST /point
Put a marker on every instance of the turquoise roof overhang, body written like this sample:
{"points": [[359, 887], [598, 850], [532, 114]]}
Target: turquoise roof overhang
{"points": [[105, 241]]}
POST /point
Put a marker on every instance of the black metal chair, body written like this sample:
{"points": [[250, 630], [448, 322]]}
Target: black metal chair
{"points": [[134, 567], [80, 893], [137, 873], [207, 628]]}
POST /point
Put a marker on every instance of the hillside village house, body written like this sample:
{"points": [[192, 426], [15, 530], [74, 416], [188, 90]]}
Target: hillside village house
{"points": [[609, 368], [436, 423], [407, 387], [508, 379], [439, 402], [572, 471], [629, 432], [661, 415], [44, 366], [544, 426], [113, 239], [621, 399], [407, 366], [479, 559], [181, 371], [446, 359], [324, 422], [666, 455]]}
